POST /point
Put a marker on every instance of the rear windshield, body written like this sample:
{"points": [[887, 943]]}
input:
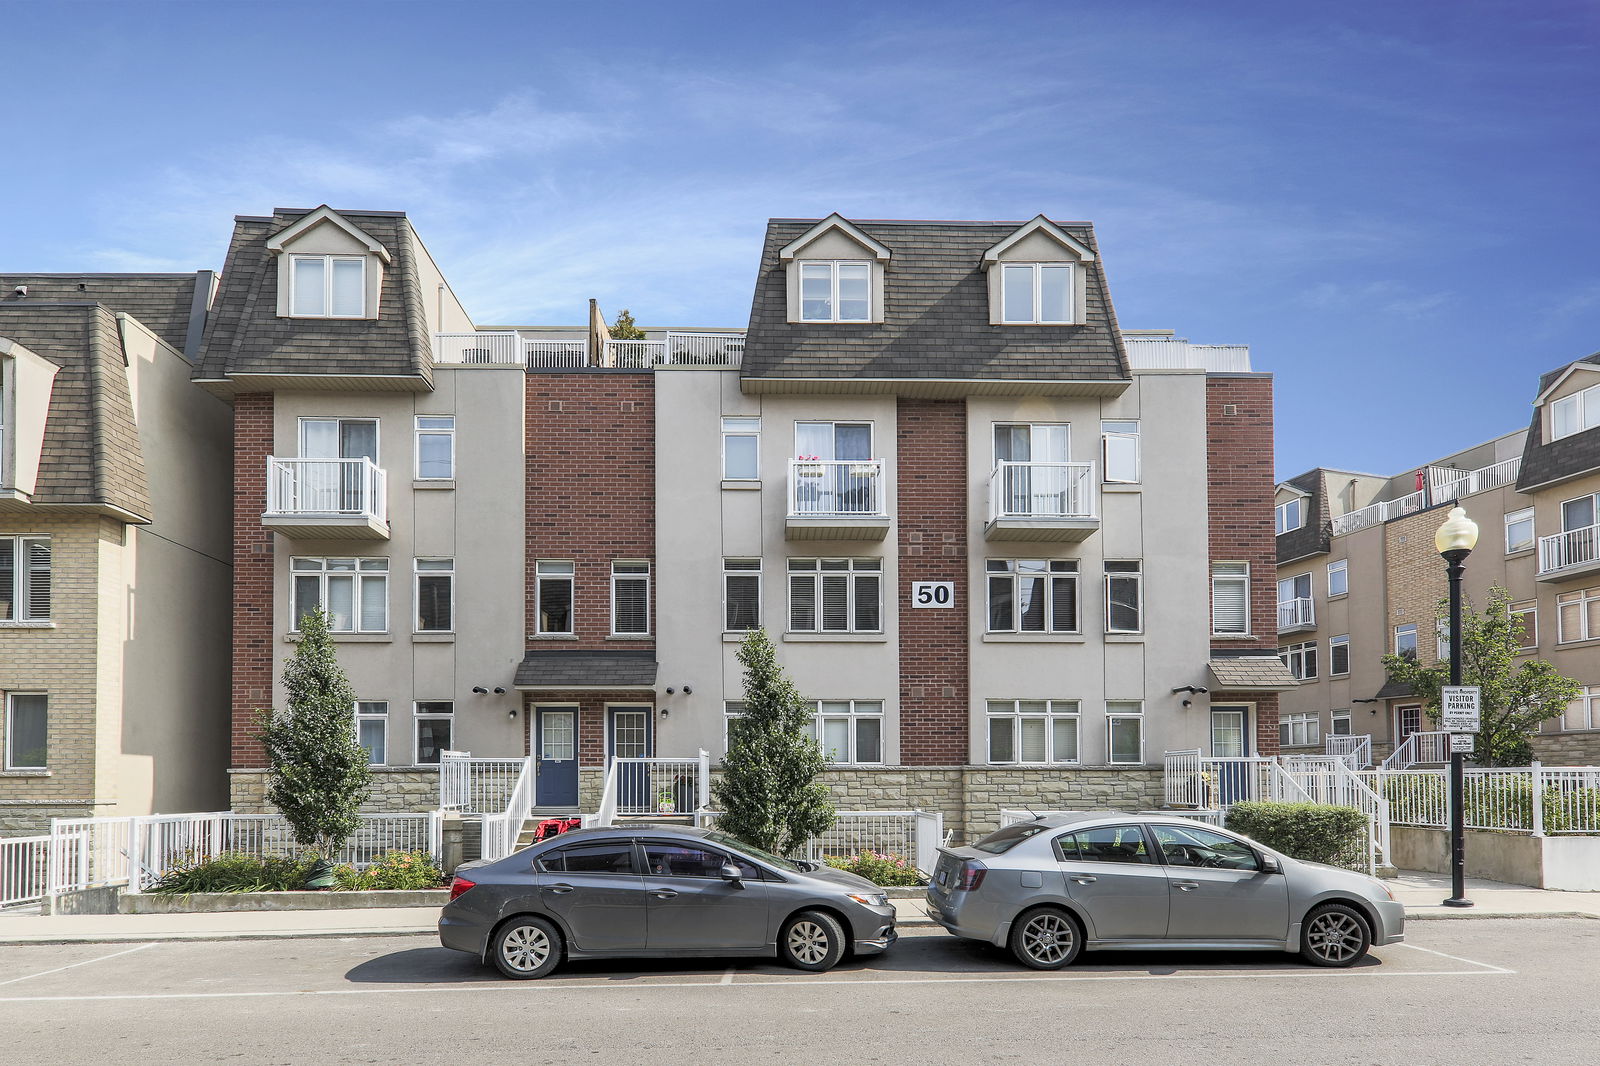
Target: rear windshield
{"points": [[1003, 840]]}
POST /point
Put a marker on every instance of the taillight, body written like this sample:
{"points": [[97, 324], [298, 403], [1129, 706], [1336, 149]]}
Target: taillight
{"points": [[459, 885], [970, 876]]}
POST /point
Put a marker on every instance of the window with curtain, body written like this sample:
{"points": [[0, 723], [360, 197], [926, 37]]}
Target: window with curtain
{"points": [[24, 580], [835, 595], [741, 593], [354, 592], [630, 598], [328, 286], [1033, 731], [1230, 598]]}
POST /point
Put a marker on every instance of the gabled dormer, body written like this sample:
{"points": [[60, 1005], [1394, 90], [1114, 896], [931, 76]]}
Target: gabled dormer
{"points": [[26, 380], [328, 268], [1570, 403], [1037, 276], [1291, 508], [834, 274]]}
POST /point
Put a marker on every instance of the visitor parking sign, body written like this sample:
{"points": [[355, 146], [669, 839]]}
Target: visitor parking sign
{"points": [[1458, 708]]}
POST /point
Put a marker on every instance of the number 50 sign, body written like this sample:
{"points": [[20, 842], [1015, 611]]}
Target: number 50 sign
{"points": [[933, 594]]}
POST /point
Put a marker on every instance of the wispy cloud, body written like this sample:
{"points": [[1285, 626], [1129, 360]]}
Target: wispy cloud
{"points": [[1384, 297]]}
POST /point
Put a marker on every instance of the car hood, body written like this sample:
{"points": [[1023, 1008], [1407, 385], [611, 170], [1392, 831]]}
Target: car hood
{"points": [[843, 878]]}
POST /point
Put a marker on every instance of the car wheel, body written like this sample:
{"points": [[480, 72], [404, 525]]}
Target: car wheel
{"points": [[1045, 939], [1334, 935], [811, 940], [526, 948]]}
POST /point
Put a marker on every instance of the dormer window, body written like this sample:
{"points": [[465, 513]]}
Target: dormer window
{"points": [[837, 290], [1575, 413], [1289, 516], [1035, 276], [327, 286], [1036, 293], [328, 267]]}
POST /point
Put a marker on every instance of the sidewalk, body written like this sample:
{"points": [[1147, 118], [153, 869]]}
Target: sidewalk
{"points": [[1422, 892]]}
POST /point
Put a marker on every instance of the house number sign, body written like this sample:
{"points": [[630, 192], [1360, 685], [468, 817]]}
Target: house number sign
{"points": [[933, 594]]}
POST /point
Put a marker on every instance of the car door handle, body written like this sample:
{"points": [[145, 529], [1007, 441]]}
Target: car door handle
{"points": [[1186, 886], [558, 889], [664, 893], [1085, 879]]}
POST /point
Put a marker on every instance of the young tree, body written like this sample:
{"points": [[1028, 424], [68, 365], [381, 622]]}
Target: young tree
{"points": [[769, 792], [1514, 699], [623, 328], [318, 773]]}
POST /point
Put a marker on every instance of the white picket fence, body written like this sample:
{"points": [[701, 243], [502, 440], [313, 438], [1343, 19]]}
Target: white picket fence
{"points": [[1538, 800], [913, 835], [24, 869]]}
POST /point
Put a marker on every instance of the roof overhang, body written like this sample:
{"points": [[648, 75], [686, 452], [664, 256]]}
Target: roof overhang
{"points": [[325, 215], [1561, 378], [586, 671], [843, 225], [1251, 673], [1043, 225], [933, 388]]}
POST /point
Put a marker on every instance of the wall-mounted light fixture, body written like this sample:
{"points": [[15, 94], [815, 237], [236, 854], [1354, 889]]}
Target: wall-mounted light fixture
{"points": [[499, 691], [1193, 690], [480, 690], [687, 690], [670, 690], [1374, 710]]}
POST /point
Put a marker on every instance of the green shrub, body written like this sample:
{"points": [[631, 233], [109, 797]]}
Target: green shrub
{"points": [[402, 870], [1311, 831], [233, 872], [879, 867]]}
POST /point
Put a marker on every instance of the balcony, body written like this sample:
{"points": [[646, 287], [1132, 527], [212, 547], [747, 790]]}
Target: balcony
{"points": [[1378, 513], [1042, 502], [1575, 553], [836, 499], [326, 499], [531, 350], [1447, 483], [1296, 614]]}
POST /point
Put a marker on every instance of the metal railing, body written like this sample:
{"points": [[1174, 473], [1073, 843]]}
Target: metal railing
{"points": [[510, 348], [1445, 483], [1572, 548], [501, 830], [1378, 513], [557, 355], [1430, 747], [355, 487], [1292, 614], [477, 786], [1355, 751], [1145, 353], [845, 488], [487, 348], [24, 869], [1042, 490], [704, 349], [1329, 781], [637, 787], [1536, 799], [911, 835]]}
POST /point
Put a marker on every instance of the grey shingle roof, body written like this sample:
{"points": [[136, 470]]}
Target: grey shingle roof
{"points": [[244, 334], [1255, 672], [1393, 690], [1560, 459], [1316, 535], [936, 315], [161, 302], [587, 669]]}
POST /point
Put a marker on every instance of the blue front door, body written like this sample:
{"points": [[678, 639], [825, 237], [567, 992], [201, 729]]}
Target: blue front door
{"points": [[628, 737], [1230, 740], [555, 749]]}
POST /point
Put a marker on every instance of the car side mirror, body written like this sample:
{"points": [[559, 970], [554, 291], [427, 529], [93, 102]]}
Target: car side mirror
{"points": [[1270, 865], [730, 873]]}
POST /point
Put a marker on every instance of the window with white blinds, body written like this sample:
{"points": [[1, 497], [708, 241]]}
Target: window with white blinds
{"points": [[24, 579], [630, 599], [353, 592], [1230, 598], [835, 595]]}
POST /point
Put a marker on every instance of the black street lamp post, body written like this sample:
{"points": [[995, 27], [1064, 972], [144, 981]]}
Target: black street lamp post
{"points": [[1455, 541]]}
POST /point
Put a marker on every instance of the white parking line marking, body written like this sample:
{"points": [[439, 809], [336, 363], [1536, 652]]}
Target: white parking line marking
{"points": [[1489, 967], [69, 966], [727, 978]]}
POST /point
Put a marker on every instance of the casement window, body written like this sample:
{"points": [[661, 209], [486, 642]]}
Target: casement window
{"points": [[1124, 597], [372, 730], [27, 731], [436, 447], [1033, 731], [1339, 655], [1119, 452], [850, 731], [1584, 711], [1339, 578], [24, 580], [328, 286], [1036, 293], [1124, 732], [1572, 414], [1288, 516], [835, 595], [741, 449], [436, 595], [1340, 724], [835, 291], [732, 716], [1033, 595], [433, 721], [630, 599], [1405, 640], [553, 591], [741, 594], [1578, 615], [1301, 659], [1519, 530], [1230, 599], [353, 592], [1299, 730], [1525, 620]]}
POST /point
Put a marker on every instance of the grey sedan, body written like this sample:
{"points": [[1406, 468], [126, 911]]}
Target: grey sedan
{"points": [[659, 891], [1052, 887]]}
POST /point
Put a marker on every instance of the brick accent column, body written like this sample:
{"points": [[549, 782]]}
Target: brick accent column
{"points": [[931, 497], [253, 646]]}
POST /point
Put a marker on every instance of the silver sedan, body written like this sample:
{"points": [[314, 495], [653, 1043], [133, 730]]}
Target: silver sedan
{"points": [[1059, 884]]}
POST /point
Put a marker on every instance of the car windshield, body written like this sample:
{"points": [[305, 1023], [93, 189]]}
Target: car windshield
{"points": [[767, 857], [1003, 840]]}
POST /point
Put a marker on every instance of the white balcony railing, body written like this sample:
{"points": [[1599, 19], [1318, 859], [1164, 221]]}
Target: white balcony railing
{"points": [[1042, 490], [1292, 614], [1448, 484], [498, 348], [1378, 513], [836, 488], [510, 348], [1575, 547], [1430, 747], [354, 487], [570, 355], [1170, 353], [1354, 751]]}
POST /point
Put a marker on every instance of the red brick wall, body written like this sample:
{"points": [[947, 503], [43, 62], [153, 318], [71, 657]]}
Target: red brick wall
{"points": [[591, 719], [1266, 739], [931, 495], [590, 491], [253, 647]]}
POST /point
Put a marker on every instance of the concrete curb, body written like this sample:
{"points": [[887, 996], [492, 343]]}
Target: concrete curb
{"points": [[245, 902]]}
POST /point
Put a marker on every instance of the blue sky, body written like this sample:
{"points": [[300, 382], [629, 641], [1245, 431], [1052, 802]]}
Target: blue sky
{"points": [[1394, 204]]}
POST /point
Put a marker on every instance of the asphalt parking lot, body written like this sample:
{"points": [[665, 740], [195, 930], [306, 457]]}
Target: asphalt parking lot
{"points": [[1483, 991]]}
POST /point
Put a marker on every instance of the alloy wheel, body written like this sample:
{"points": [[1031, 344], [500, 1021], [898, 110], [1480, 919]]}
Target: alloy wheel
{"points": [[525, 948], [1048, 938], [808, 942], [1335, 936]]}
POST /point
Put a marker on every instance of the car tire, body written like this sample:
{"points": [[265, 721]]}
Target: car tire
{"points": [[1334, 934], [811, 940], [526, 948], [1045, 938]]}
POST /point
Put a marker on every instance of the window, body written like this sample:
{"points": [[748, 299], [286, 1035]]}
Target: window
{"points": [[1339, 578], [1230, 598], [1193, 846], [372, 730], [1036, 292], [1525, 618], [1033, 596], [732, 713], [1341, 724], [613, 857], [835, 595], [24, 580], [1571, 414], [1033, 731], [328, 286], [833, 440], [1124, 597], [27, 731], [1441, 633], [1119, 452], [1111, 843], [1584, 711], [436, 447], [684, 860], [433, 730], [850, 731], [1339, 655], [354, 593], [1405, 640], [741, 449], [1301, 659], [1042, 442], [436, 599], [1578, 615], [553, 581], [1519, 530], [630, 599], [1124, 731], [1579, 513], [741, 594], [339, 438], [835, 291], [1288, 516], [1299, 730]]}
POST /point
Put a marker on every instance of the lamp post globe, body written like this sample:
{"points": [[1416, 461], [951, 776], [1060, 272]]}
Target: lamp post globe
{"points": [[1458, 533], [1455, 540]]}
